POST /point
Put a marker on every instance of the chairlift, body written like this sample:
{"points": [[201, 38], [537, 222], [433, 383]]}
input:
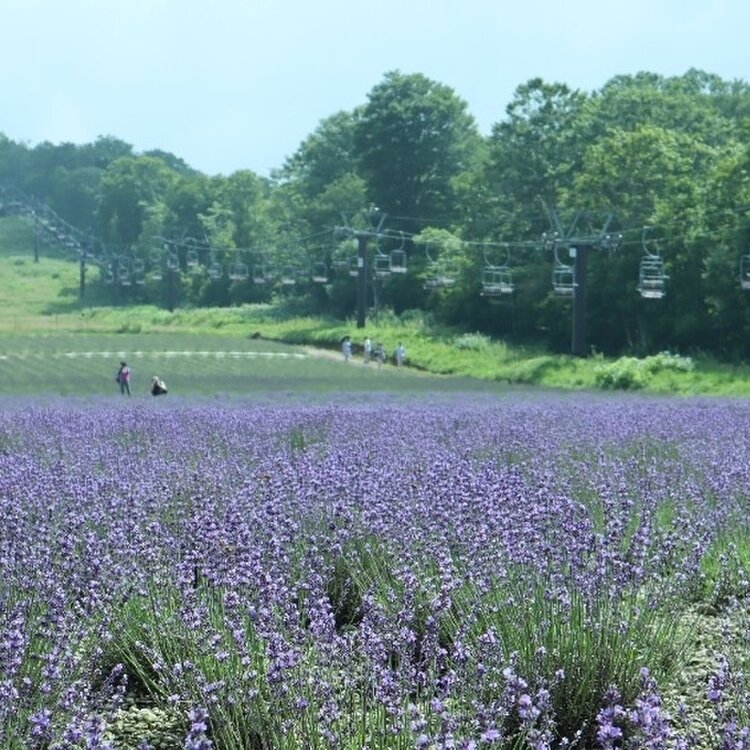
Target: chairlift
{"points": [[109, 274], [139, 271], [156, 268], [340, 264], [319, 273], [261, 274], [238, 271], [745, 272], [397, 262], [381, 266], [191, 259], [651, 276], [563, 280], [123, 273], [354, 266], [439, 273], [497, 281], [289, 275], [563, 274], [173, 260], [215, 270]]}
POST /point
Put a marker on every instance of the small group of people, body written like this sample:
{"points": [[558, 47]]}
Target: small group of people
{"points": [[374, 353], [158, 387]]}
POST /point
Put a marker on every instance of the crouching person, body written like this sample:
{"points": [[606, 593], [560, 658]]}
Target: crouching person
{"points": [[158, 387]]}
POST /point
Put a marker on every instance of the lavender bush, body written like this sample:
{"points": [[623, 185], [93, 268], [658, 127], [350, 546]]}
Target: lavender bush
{"points": [[466, 573]]}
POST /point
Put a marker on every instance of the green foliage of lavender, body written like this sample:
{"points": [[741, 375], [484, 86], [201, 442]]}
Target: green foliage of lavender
{"points": [[453, 571]]}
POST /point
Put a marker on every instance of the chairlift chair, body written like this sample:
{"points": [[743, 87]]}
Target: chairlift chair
{"points": [[215, 270], [651, 278], [260, 274], [439, 275], [191, 259], [397, 261], [173, 260], [563, 280], [745, 272], [381, 266], [354, 266], [497, 281], [289, 275], [156, 268], [139, 271], [319, 273], [238, 271], [123, 273]]}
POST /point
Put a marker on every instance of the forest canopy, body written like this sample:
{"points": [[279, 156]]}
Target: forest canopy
{"points": [[468, 228]]}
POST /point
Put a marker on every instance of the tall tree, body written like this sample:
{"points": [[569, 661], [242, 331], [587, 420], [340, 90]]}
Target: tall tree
{"points": [[414, 137], [129, 186]]}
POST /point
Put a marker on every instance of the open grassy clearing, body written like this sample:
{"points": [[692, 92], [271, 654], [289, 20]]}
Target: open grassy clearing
{"points": [[195, 364]]}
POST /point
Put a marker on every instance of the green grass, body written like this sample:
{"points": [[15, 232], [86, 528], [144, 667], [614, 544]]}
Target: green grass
{"points": [[191, 364]]}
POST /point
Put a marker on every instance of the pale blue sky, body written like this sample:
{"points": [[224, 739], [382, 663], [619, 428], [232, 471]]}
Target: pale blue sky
{"points": [[238, 84]]}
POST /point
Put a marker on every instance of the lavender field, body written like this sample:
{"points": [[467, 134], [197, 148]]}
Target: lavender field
{"points": [[456, 571]]}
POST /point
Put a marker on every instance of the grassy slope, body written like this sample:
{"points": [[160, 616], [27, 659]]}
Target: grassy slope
{"points": [[42, 298]]}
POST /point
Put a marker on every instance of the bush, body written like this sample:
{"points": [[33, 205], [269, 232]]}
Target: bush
{"points": [[475, 342], [666, 361], [625, 373], [631, 373]]}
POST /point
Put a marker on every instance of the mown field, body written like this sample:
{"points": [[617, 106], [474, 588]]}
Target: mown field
{"points": [[289, 551]]}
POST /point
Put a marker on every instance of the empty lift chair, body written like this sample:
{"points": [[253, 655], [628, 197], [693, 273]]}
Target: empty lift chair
{"points": [[497, 280], [563, 275], [652, 279], [397, 261], [745, 272]]}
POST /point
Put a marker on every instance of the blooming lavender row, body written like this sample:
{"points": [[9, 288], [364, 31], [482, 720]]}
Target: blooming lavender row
{"points": [[463, 573]]}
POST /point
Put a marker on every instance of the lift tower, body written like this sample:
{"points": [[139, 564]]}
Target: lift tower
{"points": [[362, 236], [579, 246]]}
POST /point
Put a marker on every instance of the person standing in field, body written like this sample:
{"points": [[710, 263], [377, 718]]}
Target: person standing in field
{"points": [[400, 355], [123, 378], [346, 348], [379, 354], [367, 350]]}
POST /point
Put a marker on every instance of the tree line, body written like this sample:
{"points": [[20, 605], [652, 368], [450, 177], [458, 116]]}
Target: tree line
{"points": [[668, 153]]}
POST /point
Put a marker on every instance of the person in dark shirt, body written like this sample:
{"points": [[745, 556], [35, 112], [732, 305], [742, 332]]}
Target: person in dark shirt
{"points": [[158, 387]]}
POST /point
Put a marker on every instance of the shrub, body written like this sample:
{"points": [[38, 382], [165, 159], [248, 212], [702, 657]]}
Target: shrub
{"points": [[631, 373], [475, 342]]}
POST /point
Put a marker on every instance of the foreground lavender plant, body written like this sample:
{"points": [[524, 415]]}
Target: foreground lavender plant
{"points": [[465, 573]]}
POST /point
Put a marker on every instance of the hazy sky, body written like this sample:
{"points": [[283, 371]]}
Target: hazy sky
{"points": [[238, 84]]}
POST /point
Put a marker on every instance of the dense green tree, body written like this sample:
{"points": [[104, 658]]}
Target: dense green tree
{"points": [[129, 186], [414, 138]]}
